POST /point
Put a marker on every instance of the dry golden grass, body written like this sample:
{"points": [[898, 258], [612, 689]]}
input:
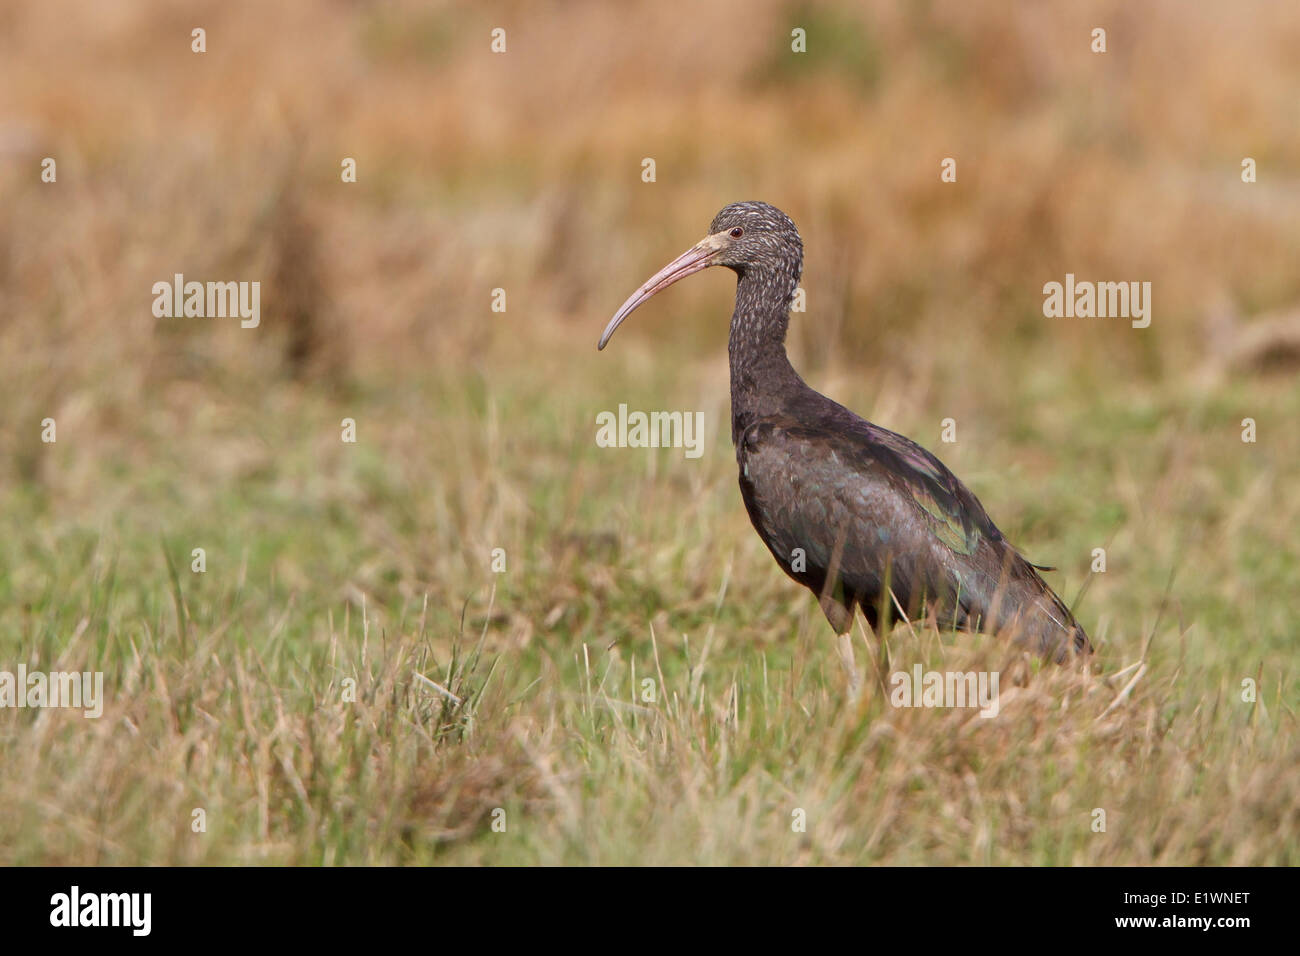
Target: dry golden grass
{"points": [[370, 562]]}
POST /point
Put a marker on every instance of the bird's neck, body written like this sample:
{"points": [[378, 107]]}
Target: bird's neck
{"points": [[762, 378]]}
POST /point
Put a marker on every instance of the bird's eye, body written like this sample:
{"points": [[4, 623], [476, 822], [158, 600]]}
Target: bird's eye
{"points": [[737, 233]]}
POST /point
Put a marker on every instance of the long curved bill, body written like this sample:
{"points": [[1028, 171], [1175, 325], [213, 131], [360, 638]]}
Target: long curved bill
{"points": [[695, 259]]}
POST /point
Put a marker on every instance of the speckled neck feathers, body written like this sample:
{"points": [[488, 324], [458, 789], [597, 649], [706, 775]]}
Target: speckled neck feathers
{"points": [[762, 378]]}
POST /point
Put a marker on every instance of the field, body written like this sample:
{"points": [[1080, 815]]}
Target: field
{"points": [[358, 676]]}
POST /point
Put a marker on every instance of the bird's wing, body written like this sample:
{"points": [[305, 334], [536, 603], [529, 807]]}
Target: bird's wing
{"points": [[960, 520], [869, 508], [935, 488]]}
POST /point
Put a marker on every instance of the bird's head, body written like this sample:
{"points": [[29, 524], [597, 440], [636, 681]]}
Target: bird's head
{"points": [[746, 237]]}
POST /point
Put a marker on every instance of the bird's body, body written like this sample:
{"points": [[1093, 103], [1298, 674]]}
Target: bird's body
{"points": [[863, 517]]}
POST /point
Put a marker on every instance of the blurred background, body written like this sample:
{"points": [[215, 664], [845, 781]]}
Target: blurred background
{"points": [[522, 171]]}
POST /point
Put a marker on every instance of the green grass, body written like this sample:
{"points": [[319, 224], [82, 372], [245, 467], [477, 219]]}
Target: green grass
{"points": [[372, 562]]}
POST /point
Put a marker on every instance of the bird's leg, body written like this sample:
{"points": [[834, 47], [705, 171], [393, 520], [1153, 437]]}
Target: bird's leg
{"points": [[841, 619], [845, 642], [839, 611]]}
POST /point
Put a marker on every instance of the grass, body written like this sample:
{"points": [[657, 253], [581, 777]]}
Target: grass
{"points": [[350, 681], [227, 687]]}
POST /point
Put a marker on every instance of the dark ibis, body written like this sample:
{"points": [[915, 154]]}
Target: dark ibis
{"points": [[861, 516]]}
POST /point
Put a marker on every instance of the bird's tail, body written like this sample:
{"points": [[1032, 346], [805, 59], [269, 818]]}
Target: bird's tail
{"points": [[1024, 608], [1042, 622]]}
